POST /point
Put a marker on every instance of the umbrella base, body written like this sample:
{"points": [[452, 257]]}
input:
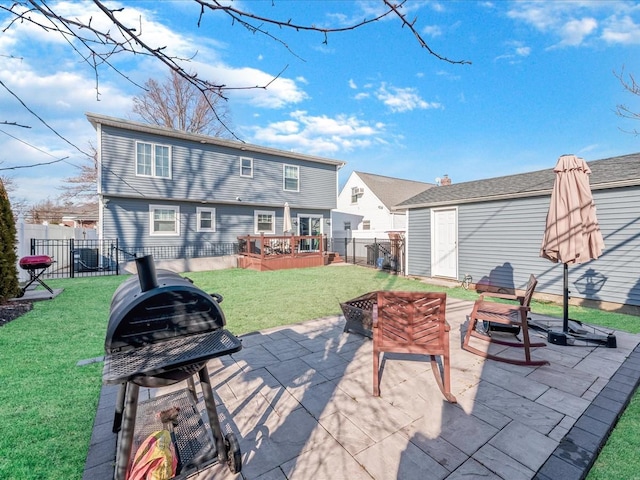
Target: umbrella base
{"points": [[572, 339]]}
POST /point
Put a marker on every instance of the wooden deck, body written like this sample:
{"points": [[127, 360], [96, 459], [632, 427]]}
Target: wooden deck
{"points": [[272, 252]]}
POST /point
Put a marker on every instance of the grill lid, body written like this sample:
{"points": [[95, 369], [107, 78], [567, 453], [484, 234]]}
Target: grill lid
{"points": [[155, 307]]}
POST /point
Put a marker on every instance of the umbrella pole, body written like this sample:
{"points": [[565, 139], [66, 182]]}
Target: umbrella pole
{"points": [[565, 303]]}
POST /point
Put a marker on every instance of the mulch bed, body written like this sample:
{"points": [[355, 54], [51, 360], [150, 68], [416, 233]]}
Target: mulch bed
{"points": [[12, 310]]}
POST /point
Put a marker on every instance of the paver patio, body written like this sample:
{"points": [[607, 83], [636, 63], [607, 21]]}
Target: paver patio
{"points": [[299, 399]]}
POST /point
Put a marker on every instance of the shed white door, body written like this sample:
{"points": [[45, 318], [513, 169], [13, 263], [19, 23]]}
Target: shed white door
{"points": [[444, 237]]}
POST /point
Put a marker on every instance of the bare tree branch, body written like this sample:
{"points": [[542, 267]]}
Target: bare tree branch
{"points": [[631, 86]]}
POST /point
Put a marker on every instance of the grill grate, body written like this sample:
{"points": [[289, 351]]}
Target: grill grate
{"points": [[158, 358]]}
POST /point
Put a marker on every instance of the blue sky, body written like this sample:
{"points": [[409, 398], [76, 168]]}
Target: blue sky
{"points": [[542, 83]]}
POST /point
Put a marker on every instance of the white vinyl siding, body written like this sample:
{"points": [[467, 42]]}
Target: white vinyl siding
{"points": [[264, 221], [153, 160], [206, 219], [291, 178], [164, 220]]}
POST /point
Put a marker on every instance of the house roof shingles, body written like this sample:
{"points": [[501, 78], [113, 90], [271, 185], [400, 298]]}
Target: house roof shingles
{"points": [[608, 173], [392, 191]]}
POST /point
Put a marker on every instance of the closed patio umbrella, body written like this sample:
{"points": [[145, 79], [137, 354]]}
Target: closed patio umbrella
{"points": [[572, 234], [287, 226]]}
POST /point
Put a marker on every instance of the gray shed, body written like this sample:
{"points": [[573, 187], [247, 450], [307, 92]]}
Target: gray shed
{"points": [[492, 229]]}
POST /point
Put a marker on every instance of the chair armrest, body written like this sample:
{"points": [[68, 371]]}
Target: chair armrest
{"points": [[447, 327]]}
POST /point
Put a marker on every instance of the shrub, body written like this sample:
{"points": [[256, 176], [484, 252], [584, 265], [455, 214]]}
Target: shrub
{"points": [[9, 286]]}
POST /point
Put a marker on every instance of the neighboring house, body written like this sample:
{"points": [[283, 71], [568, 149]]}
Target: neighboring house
{"points": [[492, 230], [365, 206], [84, 216], [159, 186]]}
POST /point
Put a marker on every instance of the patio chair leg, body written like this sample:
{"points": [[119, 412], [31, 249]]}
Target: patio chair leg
{"points": [[444, 386]]}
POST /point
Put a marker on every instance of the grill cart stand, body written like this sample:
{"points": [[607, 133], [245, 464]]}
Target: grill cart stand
{"points": [[133, 367]]}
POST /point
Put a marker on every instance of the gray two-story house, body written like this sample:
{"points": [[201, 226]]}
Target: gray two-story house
{"points": [[164, 187]]}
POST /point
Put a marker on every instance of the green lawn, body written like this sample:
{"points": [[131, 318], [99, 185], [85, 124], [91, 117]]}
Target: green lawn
{"points": [[47, 402]]}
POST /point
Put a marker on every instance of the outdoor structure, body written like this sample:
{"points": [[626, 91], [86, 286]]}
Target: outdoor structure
{"points": [[163, 187], [365, 205], [492, 229]]}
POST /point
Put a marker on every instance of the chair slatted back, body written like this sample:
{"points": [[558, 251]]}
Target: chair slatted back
{"points": [[411, 321], [528, 294]]}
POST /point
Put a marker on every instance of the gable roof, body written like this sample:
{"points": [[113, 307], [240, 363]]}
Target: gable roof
{"points": [[391, 191], [608, 173], [97, 119]]}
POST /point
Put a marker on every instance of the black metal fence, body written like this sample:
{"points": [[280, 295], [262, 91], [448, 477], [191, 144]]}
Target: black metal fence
{"points": [[78, 258], [171, 252], [382, 253], [85, 258]]}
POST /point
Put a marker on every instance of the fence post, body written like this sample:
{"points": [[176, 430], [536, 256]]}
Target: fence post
{"points": [[71, 259], [353, 241], [117, 259]]}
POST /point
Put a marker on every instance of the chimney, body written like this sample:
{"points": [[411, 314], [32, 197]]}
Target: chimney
{"points": [[445, 180]]}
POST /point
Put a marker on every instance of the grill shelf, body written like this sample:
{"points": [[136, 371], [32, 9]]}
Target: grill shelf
{"points": [[194, 441], [157, 358]]}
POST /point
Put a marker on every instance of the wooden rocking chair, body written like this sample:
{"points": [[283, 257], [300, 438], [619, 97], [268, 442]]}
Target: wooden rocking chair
{"points": [[412, 322], [505, 314]]}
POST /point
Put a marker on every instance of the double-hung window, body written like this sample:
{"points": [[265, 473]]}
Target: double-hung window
{"points": [[246, 167], [153, 160], [291, 178], [206, 219], [264, 221], [164, 220]]}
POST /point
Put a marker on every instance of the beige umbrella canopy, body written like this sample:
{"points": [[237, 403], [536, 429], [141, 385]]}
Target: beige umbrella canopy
{"points": [[572, 234]]}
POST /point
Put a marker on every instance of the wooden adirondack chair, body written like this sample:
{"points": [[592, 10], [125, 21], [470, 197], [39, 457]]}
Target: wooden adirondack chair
{"points": [[506, 314], [412, 322]]}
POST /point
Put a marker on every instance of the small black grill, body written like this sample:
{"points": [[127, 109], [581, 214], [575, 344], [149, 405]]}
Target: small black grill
{"points": [[162, 330]]}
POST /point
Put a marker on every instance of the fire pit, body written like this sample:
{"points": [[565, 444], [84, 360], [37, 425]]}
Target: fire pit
{"points": [[162, 330], [32, 264]]}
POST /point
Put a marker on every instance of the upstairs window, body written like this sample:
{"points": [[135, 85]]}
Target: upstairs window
{"points": [[246, 167], [153, 160], [366, 224], [164, 220], [356, 192], [264, 221], [291, 174], [206, 219]]}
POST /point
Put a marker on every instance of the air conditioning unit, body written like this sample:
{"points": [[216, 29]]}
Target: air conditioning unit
{"points": [[358, 190]]}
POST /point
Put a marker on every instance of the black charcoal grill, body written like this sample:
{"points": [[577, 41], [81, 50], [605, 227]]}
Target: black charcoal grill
{"points": [[162, 330]]}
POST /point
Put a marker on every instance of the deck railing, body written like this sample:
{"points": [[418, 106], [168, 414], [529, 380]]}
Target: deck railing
{"points": [[278, 246]]}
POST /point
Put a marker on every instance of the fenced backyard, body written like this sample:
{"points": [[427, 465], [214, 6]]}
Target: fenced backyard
{"points": [[74, 257]]}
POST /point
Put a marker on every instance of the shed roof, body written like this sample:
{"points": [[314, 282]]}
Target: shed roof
{"points": [[390, 190], [607, 173]]}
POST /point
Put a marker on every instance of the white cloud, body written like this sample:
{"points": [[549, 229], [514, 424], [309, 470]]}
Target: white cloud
{"points": [[352, 84], [574, 32], [575, 23], [623, 30], [320, 135], [432, 30], [403, 99]]}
